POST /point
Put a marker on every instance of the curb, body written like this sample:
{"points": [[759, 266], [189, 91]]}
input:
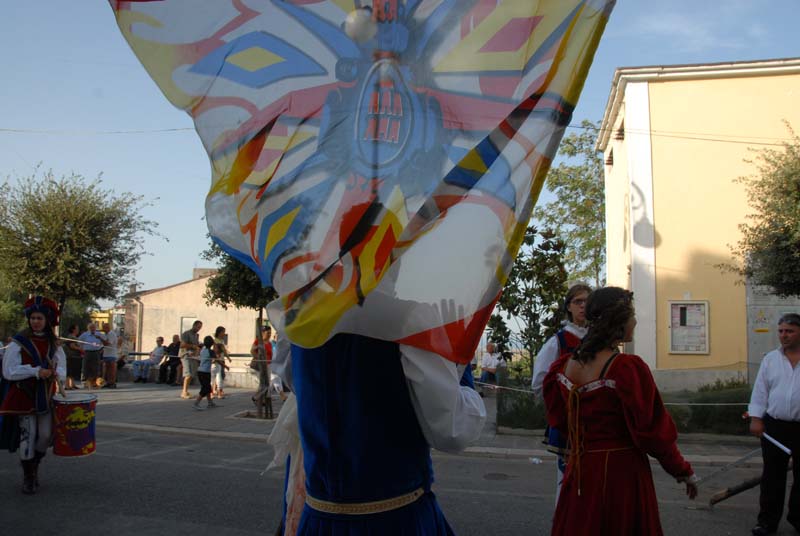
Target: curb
{"points": [[247, 436]]}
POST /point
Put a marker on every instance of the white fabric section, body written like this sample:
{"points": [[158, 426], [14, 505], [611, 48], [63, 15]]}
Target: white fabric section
{"points": [[282, 360], [548, 355], [112, 341], [14, 370], [451, 416], [285, 440], [35, 434], [216, 376], [777, 389]]}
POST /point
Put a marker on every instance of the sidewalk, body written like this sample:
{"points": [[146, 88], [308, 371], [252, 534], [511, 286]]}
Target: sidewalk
{"points": [[159, 408]]}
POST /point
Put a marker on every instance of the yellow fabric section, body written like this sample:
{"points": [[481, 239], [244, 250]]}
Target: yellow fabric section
{"points": [[254, 59], [466, 56], [473, 161], [279, 230]]}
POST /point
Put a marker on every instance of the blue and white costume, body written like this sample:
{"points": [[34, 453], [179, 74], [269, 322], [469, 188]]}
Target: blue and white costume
{"points": [[369, 411]]}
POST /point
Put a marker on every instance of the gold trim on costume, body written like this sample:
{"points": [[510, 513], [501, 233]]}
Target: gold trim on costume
{"points": [[374, 507]]}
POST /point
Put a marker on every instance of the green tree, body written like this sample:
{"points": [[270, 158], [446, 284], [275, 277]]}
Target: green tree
{"points": [[11, 314], [237, 285], [70, 238], [534, 290], [769, 251], [578, 213], [500, 335]]}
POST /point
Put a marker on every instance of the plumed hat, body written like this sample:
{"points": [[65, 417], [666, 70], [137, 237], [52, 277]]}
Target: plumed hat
{"points": [[46, 306]]}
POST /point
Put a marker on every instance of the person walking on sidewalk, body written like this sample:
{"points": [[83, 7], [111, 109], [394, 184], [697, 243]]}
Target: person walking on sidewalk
{"points": [[610, 406], [218, 367], [190, 351], [775, 409], [32, 364], [207, 355], [564, 342]]}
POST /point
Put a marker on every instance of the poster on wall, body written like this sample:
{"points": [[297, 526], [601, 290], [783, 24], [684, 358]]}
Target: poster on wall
{"points": [[688, 330]]}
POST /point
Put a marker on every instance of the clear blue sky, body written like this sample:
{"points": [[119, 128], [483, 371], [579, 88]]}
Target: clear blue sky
{"points": [[69, 76]]}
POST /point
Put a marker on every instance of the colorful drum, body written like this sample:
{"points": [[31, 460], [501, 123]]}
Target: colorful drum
{"points": [[73, 424]]}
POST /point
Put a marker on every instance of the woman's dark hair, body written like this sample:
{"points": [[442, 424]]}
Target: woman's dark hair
{"points": [[208, 341], [573, 291], [219, 330], [608, 309], [73, 327]]}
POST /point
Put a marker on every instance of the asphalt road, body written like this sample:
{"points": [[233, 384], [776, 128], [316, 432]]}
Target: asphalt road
{"points": [[148, 483]]}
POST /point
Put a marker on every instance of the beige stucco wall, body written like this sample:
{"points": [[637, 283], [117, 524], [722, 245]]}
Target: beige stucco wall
{"points": [[697, 204], [164, 308]]}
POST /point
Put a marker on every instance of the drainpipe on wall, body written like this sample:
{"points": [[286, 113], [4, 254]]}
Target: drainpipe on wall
{"points": [[140, 309]]}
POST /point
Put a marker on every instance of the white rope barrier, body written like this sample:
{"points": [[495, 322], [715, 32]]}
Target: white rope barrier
{"points": [[504, 388]]}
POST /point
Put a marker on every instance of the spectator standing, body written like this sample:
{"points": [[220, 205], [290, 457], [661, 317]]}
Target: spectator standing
{"points": [[775, 409], [110, 356], [218, 367], [141, 368], [74, 353], [190, 355], [93, 350], [564, 342], [204, 373], [171, 363], [263, 386]]}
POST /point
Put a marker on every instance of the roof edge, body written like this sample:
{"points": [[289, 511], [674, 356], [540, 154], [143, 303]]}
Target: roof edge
{"points": [[734, 69]]}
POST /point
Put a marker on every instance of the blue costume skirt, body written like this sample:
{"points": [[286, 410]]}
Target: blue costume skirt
{"points": [[423, 517]]}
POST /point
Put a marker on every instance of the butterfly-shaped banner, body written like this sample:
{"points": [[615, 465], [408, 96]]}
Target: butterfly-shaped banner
{"points": [[376, 162]]}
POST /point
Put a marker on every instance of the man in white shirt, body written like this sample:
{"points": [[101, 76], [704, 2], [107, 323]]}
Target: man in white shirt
{"points": [[141, 367], [775, 409], [489, 363], [110, 356]]}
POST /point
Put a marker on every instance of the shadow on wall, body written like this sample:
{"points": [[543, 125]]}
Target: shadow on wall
{"points": [[644, 233]]}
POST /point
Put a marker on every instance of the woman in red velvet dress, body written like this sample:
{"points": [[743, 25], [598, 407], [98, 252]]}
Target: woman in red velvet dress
{"points": [[609, 407]]}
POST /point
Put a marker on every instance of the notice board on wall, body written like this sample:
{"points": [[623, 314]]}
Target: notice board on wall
{"points": [[688, 330]]}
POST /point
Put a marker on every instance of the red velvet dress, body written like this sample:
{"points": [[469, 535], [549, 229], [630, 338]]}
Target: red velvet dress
{"points": [[616, 421]]}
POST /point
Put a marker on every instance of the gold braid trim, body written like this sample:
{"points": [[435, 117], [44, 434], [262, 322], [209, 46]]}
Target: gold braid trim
{"points": [[374, 507]]}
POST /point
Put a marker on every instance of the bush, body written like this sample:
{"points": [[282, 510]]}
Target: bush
{"points": [[720, 419], [681, 416], [519, 410]]}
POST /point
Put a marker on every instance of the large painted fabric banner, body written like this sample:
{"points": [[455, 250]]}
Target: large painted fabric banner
{"points": [[376, 162]]}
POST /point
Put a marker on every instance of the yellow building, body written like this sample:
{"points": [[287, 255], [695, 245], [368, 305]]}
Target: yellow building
{"points": [[675, 139]]}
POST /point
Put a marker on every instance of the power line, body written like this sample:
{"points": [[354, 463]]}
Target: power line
{"points": [[93, 132], [696, 136]]}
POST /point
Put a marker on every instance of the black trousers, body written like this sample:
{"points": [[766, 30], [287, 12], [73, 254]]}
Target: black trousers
{"points": [[773, 477], [172, 365]]}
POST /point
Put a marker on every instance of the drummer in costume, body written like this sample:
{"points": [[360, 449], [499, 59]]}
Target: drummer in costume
{"points": [[33, 362], [563, 343], [369, 412]]}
